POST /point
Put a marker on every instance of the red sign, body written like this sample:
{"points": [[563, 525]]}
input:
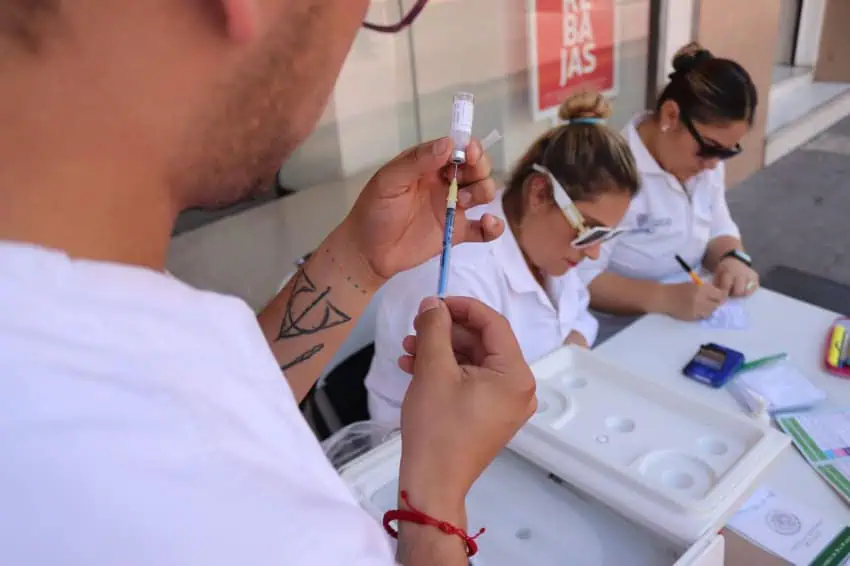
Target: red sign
{"points": [[573, 47]]}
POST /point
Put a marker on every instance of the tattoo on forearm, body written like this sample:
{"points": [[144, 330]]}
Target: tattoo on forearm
{"points": [[303, 357], [308, 311]]}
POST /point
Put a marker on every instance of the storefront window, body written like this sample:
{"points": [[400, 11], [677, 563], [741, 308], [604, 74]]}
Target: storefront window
{"points": [[518, 57]]}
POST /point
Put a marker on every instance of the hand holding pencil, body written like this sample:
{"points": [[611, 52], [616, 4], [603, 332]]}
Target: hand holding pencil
{"points": [[695, 300], [689, 270]]}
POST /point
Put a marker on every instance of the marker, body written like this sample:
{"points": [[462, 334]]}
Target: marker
{"points": [[694, 277], [836, 341], [762, 361]]}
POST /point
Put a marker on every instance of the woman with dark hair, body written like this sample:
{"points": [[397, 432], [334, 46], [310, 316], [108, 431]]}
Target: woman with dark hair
{"points": [[699, 120]]}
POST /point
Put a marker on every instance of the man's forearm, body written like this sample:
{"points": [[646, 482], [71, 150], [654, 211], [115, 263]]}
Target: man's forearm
{"points": [[717, 248], [311, 317], [422, 545]]}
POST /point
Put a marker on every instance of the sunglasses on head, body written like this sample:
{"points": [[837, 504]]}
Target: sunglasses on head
{"points": [[587, 236], [709, 149], [405, 21]]}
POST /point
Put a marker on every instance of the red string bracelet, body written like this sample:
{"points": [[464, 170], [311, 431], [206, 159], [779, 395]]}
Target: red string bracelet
{"points": [[414, 515]]}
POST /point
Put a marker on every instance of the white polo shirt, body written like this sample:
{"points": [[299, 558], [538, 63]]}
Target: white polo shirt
{"points": [[495, 273], [143, 422], [669, 219]]}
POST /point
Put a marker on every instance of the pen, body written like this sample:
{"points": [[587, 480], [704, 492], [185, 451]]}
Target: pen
{"points": [[763, 361], [688, 270], [448, 230]]}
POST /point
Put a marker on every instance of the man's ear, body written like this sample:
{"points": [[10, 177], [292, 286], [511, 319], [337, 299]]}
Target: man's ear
{"points": [[241, 18]]}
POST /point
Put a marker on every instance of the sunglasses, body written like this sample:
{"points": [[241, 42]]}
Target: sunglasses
{"points": [[405, 21], [707, 149], [587, 236]]}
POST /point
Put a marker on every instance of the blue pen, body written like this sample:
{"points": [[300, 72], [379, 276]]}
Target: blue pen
{"points": [[448, 230]]}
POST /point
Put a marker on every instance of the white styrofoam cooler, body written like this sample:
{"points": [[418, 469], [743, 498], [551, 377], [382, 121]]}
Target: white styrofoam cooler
{"points": [[612, 470]]}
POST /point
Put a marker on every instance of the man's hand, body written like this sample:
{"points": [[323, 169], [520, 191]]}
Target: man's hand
{"points": [[397, 221], [735, 278], [471, 391], [396, 224]]}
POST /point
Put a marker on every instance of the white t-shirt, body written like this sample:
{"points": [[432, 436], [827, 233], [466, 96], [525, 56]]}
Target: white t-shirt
{"points": [[143, 422], [496, 274], [667, 219]]}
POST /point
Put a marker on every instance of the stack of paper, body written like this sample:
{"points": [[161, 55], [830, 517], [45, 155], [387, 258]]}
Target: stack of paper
{"points": [[782, 386], [729, 316], [791, 530], [823, 438]]}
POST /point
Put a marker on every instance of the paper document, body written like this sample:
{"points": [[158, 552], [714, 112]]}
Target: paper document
{"points": [[823, 438], [791, 530], [782, 386], [729, 316]]}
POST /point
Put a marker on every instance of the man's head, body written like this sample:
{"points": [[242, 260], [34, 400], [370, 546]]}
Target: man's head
{"points": [[207, 97]]}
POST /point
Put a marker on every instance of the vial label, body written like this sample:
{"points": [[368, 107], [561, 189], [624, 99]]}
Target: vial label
{"points": [[462, 116]]}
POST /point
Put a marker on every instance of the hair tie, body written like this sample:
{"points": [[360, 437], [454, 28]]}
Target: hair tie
{"points": [[584, 120]]}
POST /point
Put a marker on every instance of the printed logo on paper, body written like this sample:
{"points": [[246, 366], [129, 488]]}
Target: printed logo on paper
{"points": [[783, 522]]}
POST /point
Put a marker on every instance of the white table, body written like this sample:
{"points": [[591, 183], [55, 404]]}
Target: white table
{"points": [[658, 347]]}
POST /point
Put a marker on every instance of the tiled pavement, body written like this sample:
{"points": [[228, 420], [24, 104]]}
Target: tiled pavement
{"points": [[796, 212]]}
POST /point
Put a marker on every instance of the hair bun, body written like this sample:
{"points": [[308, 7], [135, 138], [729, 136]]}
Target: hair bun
{"points": [[689, 57], [586, 104]]}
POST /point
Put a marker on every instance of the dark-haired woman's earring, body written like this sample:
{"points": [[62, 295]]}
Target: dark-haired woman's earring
{"points": [[664, 128]]}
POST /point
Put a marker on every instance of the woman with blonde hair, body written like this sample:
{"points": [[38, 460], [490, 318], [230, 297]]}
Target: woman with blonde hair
{"points": [[700, 118], [563, 199]]}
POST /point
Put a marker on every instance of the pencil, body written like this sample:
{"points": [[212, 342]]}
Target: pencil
{"points": [[694, 277]]}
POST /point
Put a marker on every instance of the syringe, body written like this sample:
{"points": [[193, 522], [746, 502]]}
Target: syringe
{"points": [[461, 134]]}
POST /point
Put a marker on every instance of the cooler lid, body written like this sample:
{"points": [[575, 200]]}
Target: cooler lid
{"points": [[665, 460], [530, 516]]}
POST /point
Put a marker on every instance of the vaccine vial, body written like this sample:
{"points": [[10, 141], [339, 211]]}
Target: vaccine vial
{"points": [[461, 133]]}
